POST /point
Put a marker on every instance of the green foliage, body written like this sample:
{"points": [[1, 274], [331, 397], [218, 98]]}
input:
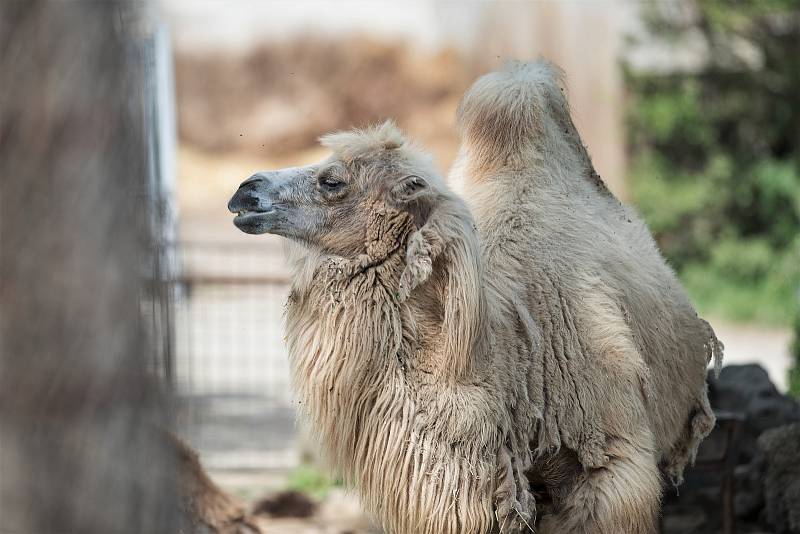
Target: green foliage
{"points": [[310, 480], [794, 373], [716, 156]]}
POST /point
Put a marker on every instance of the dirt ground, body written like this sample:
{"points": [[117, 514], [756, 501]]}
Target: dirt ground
{"points": [[339, 513]]}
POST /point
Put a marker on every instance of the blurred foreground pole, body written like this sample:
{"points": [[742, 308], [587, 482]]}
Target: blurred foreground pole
{"points": [[81, 444]]}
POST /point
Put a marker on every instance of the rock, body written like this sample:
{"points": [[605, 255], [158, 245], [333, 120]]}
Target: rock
{"points": [[749, 498], [696, 506], [684, 521], [781, 449], [286, 504], [748, 390]]}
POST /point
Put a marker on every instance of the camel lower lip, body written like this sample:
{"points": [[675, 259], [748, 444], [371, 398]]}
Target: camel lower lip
{"points": [[247, 215], [253, 222]]}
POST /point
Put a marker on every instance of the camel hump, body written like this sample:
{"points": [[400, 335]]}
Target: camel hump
{"points": [[505, 113]]}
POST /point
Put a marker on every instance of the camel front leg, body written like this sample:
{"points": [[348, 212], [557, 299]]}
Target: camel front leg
{"points": [[622, 496], [515, 509]]}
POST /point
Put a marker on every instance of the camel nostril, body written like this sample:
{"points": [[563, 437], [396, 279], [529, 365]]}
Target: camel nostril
{"points": [[243, 200], [254, 180]]}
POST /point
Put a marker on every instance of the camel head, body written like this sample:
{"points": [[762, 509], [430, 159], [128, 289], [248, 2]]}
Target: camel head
{"points": [[377, 196], [329, 205]]}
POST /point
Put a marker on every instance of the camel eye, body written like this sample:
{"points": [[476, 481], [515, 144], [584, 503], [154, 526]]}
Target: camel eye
{"points": [[329, 182]]}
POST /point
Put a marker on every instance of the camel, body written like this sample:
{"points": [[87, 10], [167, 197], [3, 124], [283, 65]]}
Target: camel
{"points": [[515, 357]]}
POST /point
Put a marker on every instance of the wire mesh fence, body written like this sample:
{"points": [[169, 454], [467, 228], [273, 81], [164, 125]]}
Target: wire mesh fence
{"points": [[231, 371]]}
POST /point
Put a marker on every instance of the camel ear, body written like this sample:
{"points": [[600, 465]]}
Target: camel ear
{"points": [[423, 247], [410, 188], [448, 241]]}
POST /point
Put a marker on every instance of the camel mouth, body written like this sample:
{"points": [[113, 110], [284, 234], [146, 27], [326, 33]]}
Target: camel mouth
{"points": [[253, 221], [247, 213]]}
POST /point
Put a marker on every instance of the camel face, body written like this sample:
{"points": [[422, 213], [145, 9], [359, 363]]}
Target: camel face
{"points": [[328, 205], [287, 202]]}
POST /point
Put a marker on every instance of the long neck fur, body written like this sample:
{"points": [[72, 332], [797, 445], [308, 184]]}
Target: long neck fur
{"points": [[394, 395]]}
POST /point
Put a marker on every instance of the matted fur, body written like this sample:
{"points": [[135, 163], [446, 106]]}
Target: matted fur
{"points": [[458, 365], [397, 404]]}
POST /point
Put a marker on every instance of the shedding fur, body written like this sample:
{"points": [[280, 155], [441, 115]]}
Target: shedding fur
{"points": [[624, 356], [531, 344]]}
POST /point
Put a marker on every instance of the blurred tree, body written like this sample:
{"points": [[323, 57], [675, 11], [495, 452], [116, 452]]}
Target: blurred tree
{"points": [[81, 420], [715, 149]]}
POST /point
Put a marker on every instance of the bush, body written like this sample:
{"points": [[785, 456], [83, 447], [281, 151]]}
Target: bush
{"points": [[715, 150], [794, 373], [312, 481]]}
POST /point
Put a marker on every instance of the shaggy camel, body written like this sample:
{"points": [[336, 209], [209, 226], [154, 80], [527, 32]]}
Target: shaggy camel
{"points": [[463, 363]]}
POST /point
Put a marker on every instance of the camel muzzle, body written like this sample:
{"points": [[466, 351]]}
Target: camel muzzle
{"points": [[267, 202], [253, 205]]}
